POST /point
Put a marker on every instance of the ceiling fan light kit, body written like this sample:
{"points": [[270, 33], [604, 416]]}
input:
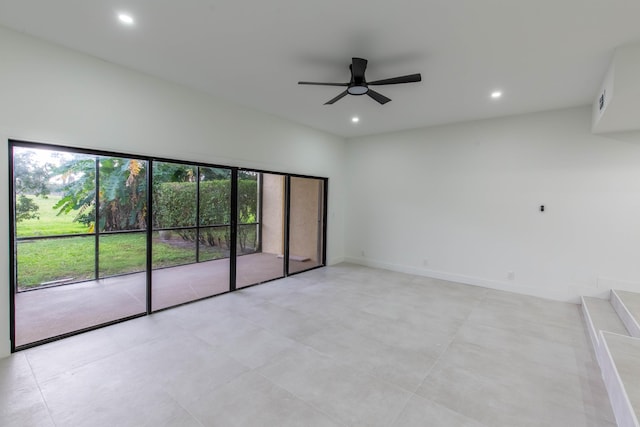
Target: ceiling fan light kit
{"points": [[358, 85], [358, 90]]}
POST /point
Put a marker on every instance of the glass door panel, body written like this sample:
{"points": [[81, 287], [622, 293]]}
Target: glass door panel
{"points": [[260, 237], [214, 232], [69, 274], [191, 233], [173, 246], [306, 223], [121, 231]]}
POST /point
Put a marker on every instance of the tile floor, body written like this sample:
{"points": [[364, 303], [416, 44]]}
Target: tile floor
{"points": [[337, 346]]}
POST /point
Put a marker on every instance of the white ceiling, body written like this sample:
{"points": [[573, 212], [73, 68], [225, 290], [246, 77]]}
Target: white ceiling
{"points": [[543, 54]]}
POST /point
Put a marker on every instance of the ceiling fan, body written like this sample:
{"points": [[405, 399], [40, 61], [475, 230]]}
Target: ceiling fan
{"points": [[359, 85]]}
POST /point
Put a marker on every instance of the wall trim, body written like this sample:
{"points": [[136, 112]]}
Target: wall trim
{"points": [[562, 295], [334, 261]]}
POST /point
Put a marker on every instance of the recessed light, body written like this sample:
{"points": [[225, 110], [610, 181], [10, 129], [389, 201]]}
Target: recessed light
{"points": [[496, 94], [355, 119], [125, 18]]}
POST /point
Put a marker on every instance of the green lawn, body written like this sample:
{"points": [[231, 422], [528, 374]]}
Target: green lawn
{"points": [[49, 223], [47, 260]]}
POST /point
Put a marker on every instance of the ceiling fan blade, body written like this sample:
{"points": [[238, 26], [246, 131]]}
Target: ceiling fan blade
{"points": [[411, 78], [323, 84], [358, 67], [378, 97], [337, 98]]}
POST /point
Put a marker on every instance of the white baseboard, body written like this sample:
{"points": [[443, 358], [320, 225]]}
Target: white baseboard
{"points": [[565, 295], [334, 261], [5, 351]]}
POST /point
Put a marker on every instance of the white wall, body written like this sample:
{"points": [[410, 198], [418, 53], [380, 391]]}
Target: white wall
{"points": [[466, 198], [54, 95]]}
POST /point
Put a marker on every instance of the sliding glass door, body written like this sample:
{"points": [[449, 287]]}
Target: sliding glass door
{"points": [[102, 237]]}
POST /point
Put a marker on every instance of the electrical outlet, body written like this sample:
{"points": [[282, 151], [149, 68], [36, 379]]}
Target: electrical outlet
{"points": [[425, 262], [362, 253], [511, 275]]}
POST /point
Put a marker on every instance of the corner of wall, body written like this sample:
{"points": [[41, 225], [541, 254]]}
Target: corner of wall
{"points": [[5, 343]]}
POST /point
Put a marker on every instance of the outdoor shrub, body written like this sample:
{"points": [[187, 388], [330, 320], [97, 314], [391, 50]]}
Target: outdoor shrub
{"points": [[175, 206]]}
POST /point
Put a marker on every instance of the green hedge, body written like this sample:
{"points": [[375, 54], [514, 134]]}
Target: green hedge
{"points": [[174, 205]]}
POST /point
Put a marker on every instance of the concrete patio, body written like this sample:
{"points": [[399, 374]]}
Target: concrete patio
{"points": [[49, 312]]}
